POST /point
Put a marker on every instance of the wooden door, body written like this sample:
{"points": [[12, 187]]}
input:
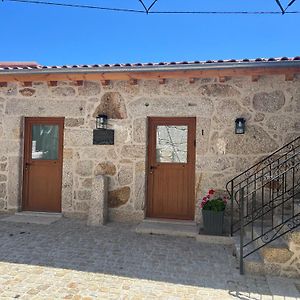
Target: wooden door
{"points": [[42, 167], [171, 168]]}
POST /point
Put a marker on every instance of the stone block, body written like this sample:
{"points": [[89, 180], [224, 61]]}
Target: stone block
{"points": [[268, 102], [98, 209], [10, 147], [63, 91], [78, 137], [255, 141], [283, 123], [74, 122], [113, 105], [215, 163], [118, 197], [218, 90], [3, 167], [140, 185], [87, 183], [14, 182], [84, 168], [89, 88], [13, 127], [27, 92], [125, 175], [126, 215], [2, 204], [227, 111], [105, 168], [68, 153], [133, 151], [125, 88], [2, 190], [3, 178], [170, 106], [139, 130], [84, 195], [276, 255], [81, 206], [44, 107]]}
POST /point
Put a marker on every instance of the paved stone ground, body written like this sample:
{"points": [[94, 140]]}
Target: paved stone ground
{"points": [[68, 260]]}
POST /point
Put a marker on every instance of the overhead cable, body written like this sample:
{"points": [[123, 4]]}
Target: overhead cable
{"points": [[147, 11]]}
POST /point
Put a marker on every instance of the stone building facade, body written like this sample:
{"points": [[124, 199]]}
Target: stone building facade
{"points": [[270, 104]]}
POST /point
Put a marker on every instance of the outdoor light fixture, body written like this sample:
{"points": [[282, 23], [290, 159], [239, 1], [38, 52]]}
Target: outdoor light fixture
{"points": [[240, 126], [101, 122], [102, 135]]}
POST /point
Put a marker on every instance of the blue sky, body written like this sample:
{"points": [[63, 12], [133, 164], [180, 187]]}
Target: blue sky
{"points": [[57, 35]]}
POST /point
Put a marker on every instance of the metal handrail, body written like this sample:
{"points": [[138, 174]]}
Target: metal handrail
{"points": [[264, 194], [266, 158]]}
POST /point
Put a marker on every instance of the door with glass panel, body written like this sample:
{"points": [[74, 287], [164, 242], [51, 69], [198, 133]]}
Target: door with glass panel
{"points": [[42, 174], [171, 168]]}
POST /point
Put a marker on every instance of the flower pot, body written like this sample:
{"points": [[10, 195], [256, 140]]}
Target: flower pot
{"points": [[213, 222]]}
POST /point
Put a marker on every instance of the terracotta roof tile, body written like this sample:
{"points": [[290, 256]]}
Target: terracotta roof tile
{"points": [[34, 65]]}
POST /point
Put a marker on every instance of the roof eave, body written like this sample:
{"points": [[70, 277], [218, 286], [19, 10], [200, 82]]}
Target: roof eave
{"points": [[154, 68]]}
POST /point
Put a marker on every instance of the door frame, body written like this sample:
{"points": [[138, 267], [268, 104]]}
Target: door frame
{"points": [[28, 121], [191, 156]]}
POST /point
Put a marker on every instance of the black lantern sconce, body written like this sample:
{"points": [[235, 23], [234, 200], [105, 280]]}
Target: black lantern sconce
{"points": [[101, 121], [102, 135], [240, 125]]}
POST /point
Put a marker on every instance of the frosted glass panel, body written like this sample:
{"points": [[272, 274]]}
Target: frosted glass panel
{"points": [[171, 144], [45, 142]]}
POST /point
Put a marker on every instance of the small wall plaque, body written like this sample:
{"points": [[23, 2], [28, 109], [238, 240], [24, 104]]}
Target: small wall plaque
{"points": [[103, 136]]}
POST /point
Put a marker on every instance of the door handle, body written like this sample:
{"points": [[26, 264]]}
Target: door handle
{"points": [[27, 165], [152, 168]]}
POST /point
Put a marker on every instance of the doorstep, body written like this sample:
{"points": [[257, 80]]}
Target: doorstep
{"points": [[168, 227], [32, 217], [182, 229]]}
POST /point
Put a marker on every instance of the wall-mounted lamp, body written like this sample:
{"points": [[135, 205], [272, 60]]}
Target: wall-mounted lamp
{"points": [[240, 124], [102, 135], [101, 122]]}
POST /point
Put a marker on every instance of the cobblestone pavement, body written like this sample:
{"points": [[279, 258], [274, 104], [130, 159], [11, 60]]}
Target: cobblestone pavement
{"points": [[68, 260]]}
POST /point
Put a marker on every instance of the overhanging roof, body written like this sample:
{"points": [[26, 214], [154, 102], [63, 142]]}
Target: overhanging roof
{"points": [[219, 68]]}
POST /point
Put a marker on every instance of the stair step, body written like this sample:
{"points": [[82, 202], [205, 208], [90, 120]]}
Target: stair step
{"points": [[292, 238], [253, 264], [274, 252]]}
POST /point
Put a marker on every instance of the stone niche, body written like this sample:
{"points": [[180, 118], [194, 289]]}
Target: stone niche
{"points": [[112, 104]]}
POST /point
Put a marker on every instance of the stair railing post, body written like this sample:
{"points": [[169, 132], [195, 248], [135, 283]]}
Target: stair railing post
{"points": [[231, 209], [241, 200]]}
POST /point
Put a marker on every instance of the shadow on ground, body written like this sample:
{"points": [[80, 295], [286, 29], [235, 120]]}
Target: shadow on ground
{"points": [[117, 250]]}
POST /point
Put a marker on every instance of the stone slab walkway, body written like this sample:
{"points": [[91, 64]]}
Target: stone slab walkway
{"points": [[68, 260]]}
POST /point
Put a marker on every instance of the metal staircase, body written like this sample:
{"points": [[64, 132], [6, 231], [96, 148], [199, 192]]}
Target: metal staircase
{"points": [[265, 200]]}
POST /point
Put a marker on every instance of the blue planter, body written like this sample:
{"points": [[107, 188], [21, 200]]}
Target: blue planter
{"points": [[213, 222]]}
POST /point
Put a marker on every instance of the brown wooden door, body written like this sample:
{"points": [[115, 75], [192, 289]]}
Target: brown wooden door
{"points": [[171, 168], [42, 167]]}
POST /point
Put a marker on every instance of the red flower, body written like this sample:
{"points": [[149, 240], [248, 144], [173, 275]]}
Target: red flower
{"points": [[204, 199], [211, 192]]}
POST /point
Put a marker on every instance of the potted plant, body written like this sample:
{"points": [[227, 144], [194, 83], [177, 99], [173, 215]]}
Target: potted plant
{"points": [[213, 208]]}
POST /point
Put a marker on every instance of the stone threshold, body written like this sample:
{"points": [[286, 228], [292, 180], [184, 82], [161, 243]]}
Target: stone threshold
{"points": [[32, 217], [180, 228]]}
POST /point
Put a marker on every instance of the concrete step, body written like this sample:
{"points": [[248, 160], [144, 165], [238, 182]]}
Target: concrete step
{"points": [[253, 264], [274, 252], [168, 227], [292, 238]]}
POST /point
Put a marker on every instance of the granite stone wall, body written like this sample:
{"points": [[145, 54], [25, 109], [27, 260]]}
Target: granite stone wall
{"points": [[270, 106]]}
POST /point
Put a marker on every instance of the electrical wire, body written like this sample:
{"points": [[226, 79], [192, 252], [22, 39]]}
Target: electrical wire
{"points": [[77, 6], [126, 10]]}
